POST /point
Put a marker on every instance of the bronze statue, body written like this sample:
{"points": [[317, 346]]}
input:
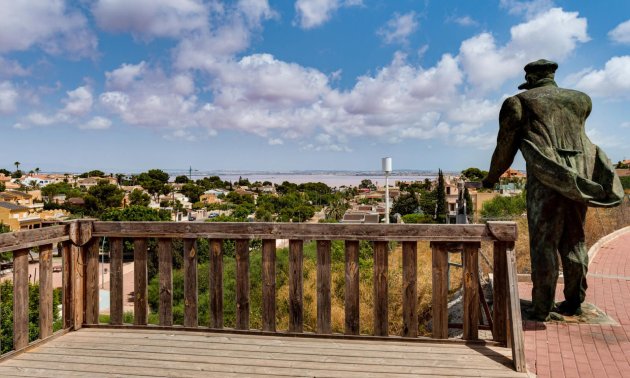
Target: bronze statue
{"points": [[566, 173]]}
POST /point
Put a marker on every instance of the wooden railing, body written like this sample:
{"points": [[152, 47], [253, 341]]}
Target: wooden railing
{"points": [[80, 241]]}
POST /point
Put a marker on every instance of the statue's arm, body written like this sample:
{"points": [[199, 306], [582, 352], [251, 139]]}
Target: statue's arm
{"points": [[508, 140]]}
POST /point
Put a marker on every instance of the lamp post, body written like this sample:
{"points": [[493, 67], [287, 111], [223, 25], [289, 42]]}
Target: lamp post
{"points": [[387, 168]]}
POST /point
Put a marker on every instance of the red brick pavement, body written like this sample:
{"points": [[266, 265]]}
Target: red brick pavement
{"points": [[583, 350]]}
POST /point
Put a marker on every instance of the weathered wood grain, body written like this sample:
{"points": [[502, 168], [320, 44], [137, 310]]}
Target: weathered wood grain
{"points": [[91, 281], [45, 291], [410, 291], [352, 288], [67, 288], [296, 307], [440, 290], [80, 231], [31, 238], [500, 294], [242, 284], [165, 266], [307, 231], [380, 289], [78, 285], [324, 325], [517, 339], [471, 291], [116, 281], [269, 285], [20, 299], [216, 283], [140, 302], [190, 283]]}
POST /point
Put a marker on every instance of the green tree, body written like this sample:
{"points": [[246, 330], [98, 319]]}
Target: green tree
{"points": [[17, 165], [367, 184], [417, 218], [440, 199], [504, 206], [139, 198], [406, 203], [154, 181], [103, 196], [2, 187], [336, 209], [625, 182], [5, 172], [192, 191], [469, 203], [136, 214], [183, 179], [93, 173], [622, 165], [474, 174], [57, 188]]}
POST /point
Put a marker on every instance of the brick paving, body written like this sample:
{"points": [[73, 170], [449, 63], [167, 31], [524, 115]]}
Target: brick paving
{"points": [[587, 350]]}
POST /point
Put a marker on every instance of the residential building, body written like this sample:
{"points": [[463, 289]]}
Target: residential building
{"points": [[18, 217]]}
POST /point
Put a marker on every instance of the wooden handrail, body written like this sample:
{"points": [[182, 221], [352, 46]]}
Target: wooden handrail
{"points": [[81, 300]]}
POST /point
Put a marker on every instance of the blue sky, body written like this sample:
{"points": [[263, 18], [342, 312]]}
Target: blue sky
{"points": [[279, 85]]}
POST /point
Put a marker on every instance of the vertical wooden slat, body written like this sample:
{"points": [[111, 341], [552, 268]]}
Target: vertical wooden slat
{"points": [[242, 284], [190, 282], [165, 266], [140, 307], [352, 288], [440, 290], [471, 291], [91, 281], [67, 290], [410, 291], [499, 297], [515, 323], [216, 283], [45, 291], [380, 288], [116, 281], [296, 309], [78, 290], [323, 287], [20, 299], [269, 285]]}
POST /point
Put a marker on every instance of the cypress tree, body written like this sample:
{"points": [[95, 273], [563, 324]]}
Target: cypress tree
{"points": [[440, 196]]}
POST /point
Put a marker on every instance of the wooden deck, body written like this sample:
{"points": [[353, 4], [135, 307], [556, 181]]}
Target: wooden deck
{"points": [[94, 352]]}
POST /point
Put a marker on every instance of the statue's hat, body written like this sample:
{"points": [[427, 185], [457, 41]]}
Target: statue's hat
{"points": [[541, 65]]}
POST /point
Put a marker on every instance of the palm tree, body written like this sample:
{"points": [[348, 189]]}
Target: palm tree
{"points": [[37, 170], [17, 165]]}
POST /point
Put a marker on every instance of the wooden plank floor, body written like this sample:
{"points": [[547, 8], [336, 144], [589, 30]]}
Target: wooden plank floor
{"points": [[155, 353]]}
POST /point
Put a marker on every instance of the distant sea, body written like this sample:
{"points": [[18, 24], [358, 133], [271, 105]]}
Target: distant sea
{"points": [[331, 179]]}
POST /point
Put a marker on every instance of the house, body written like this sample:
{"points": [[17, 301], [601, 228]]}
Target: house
{"points": [[212, 196], [39, 180], [18, 198], [93, 181], [18, 217], [513, 173]]}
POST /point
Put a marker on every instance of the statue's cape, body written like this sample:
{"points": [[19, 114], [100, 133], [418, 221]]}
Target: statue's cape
{"points": [[604, 189]]}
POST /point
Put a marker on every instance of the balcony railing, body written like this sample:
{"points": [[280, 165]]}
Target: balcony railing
{"points": [[80, 242]]}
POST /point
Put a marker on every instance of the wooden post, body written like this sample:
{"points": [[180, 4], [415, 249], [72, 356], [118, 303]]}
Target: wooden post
{"points": [[91, 282], [410, 290], [78, 285], [380, 288], [242, 284], [500, 295], [471, 291], [67, 263], [45, 291], [296, 310], [140, 307], [165, 266], [216, 283], [323, 287], [352, 288], [440, 290], [515, 323], [190, 282], [116, 281], [269, 285], [20, 299]]}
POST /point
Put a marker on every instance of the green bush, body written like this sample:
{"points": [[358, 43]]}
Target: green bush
{"points": [[502, 207], [417, 218]]}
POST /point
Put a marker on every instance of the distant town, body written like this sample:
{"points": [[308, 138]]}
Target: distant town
{"points": [[33, 199]]}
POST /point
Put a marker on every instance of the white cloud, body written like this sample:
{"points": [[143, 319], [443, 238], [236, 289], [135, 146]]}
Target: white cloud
{"points": [[621, 34], [275, 141], [613, 81], [463, 21], [10, 68], [528, 8], [151, 18], [79, 101], [96, 123], [552, 35], [8, 97], [313, 13], [45, 24], [40, 119], [124, 76], [399, 28], [605, 140], [625, 125]]}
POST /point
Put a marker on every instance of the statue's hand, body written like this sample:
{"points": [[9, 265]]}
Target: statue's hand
{"points": [[487, 184]]}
